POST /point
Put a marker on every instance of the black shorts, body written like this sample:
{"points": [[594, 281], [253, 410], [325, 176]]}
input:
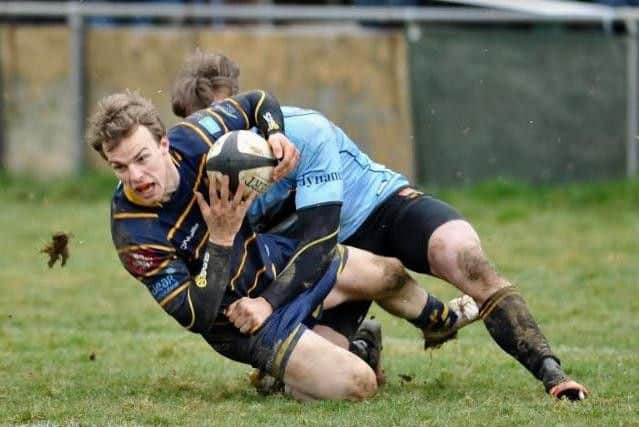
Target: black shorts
{"points": [[400, 228]]}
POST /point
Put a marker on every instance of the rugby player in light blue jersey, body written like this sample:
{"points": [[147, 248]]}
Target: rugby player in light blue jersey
{"points": [[188, 242], [381, 212]]}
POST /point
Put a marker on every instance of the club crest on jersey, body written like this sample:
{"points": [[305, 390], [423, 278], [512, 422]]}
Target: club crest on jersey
{"points": [[141, 261]]}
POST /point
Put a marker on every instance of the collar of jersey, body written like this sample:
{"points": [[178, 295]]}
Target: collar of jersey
{"points": [[137, 200]]}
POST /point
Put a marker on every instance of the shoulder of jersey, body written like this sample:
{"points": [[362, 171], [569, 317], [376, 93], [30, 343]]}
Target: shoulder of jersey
{"points": [[306, 125], [194, 135]]}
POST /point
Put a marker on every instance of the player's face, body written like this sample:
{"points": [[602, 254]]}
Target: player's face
{"points": [[142, 164]]}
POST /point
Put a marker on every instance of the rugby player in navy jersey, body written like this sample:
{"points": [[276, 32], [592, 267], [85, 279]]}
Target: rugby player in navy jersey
{"points": [[384, 214], [186, 240]]}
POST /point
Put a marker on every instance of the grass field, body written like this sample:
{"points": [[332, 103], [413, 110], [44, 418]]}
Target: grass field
{"points": [[87, 345]]}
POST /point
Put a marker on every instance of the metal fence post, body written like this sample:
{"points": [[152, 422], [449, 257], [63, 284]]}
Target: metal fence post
{"points": [[633, 84], [77, 83], [3, 163]]}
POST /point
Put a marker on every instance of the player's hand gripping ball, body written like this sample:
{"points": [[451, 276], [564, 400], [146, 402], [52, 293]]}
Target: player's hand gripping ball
{"points": [[245, 157]]}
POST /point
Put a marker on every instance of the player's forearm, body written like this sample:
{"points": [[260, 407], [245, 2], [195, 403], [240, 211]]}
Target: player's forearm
{"points": [[199, 303], [319, 227], [301, 274]]}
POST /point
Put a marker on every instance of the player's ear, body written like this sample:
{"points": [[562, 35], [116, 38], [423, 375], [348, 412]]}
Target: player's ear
{"points": [[164, 144], [220, 93]]}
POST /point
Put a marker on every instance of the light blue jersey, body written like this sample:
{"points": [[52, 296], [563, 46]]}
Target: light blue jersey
{"points": [[331, 169]]}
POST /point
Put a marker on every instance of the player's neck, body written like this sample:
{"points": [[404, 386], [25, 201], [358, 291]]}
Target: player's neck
{"points": [[172, 181]]}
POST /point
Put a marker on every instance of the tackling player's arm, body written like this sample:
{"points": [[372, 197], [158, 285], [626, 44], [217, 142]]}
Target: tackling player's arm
{"points": [[316, 228], [318, 201]]}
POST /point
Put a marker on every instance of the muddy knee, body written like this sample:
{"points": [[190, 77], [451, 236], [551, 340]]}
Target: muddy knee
{"points": [[473, 264], [462, 262], [395, 276], [478, 273]]}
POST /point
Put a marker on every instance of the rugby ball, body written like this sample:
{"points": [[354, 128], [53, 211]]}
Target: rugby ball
{"points": [[245, 157]]}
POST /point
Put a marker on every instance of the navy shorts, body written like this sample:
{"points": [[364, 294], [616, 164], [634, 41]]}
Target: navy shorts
{"points": [[271, 346]]}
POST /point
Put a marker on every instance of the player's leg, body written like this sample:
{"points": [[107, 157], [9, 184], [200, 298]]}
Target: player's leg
{"points": [[298, 395], [311, 367], [365, 343], [331, 335], [443, 244], [307, 363], [367, 276], [318, 369], [403, 296], [264, 380], [454, 253]]}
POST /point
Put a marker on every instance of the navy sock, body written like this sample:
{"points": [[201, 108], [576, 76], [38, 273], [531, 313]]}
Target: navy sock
{"points": [[435, 315]]}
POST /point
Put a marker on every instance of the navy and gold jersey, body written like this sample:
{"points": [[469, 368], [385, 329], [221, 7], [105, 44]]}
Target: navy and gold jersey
{"points": [[163, 246]]}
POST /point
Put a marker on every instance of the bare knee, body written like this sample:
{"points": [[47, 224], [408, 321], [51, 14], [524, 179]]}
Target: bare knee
{"points": [[473, 264], [395, 276], [455, 255], [362, 383], [454, 251]]}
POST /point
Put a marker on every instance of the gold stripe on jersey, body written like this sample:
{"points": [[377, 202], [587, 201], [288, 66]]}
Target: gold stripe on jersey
{"points": [[241, 110], [146, 246], [158, 268], [180, 220], [241, 267], [259, 104], [188, 298], [205, 238], [308, 245], [134, 215], [173, 294], [257, 277], [175, 162], [218, 118], [175, 156], [197, 130]]}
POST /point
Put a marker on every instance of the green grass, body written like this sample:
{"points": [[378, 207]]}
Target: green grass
{"points": [[87, 345]]}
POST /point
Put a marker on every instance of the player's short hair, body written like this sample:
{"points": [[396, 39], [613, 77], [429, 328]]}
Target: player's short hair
{"points": [[118, 116], [202, 77]]}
